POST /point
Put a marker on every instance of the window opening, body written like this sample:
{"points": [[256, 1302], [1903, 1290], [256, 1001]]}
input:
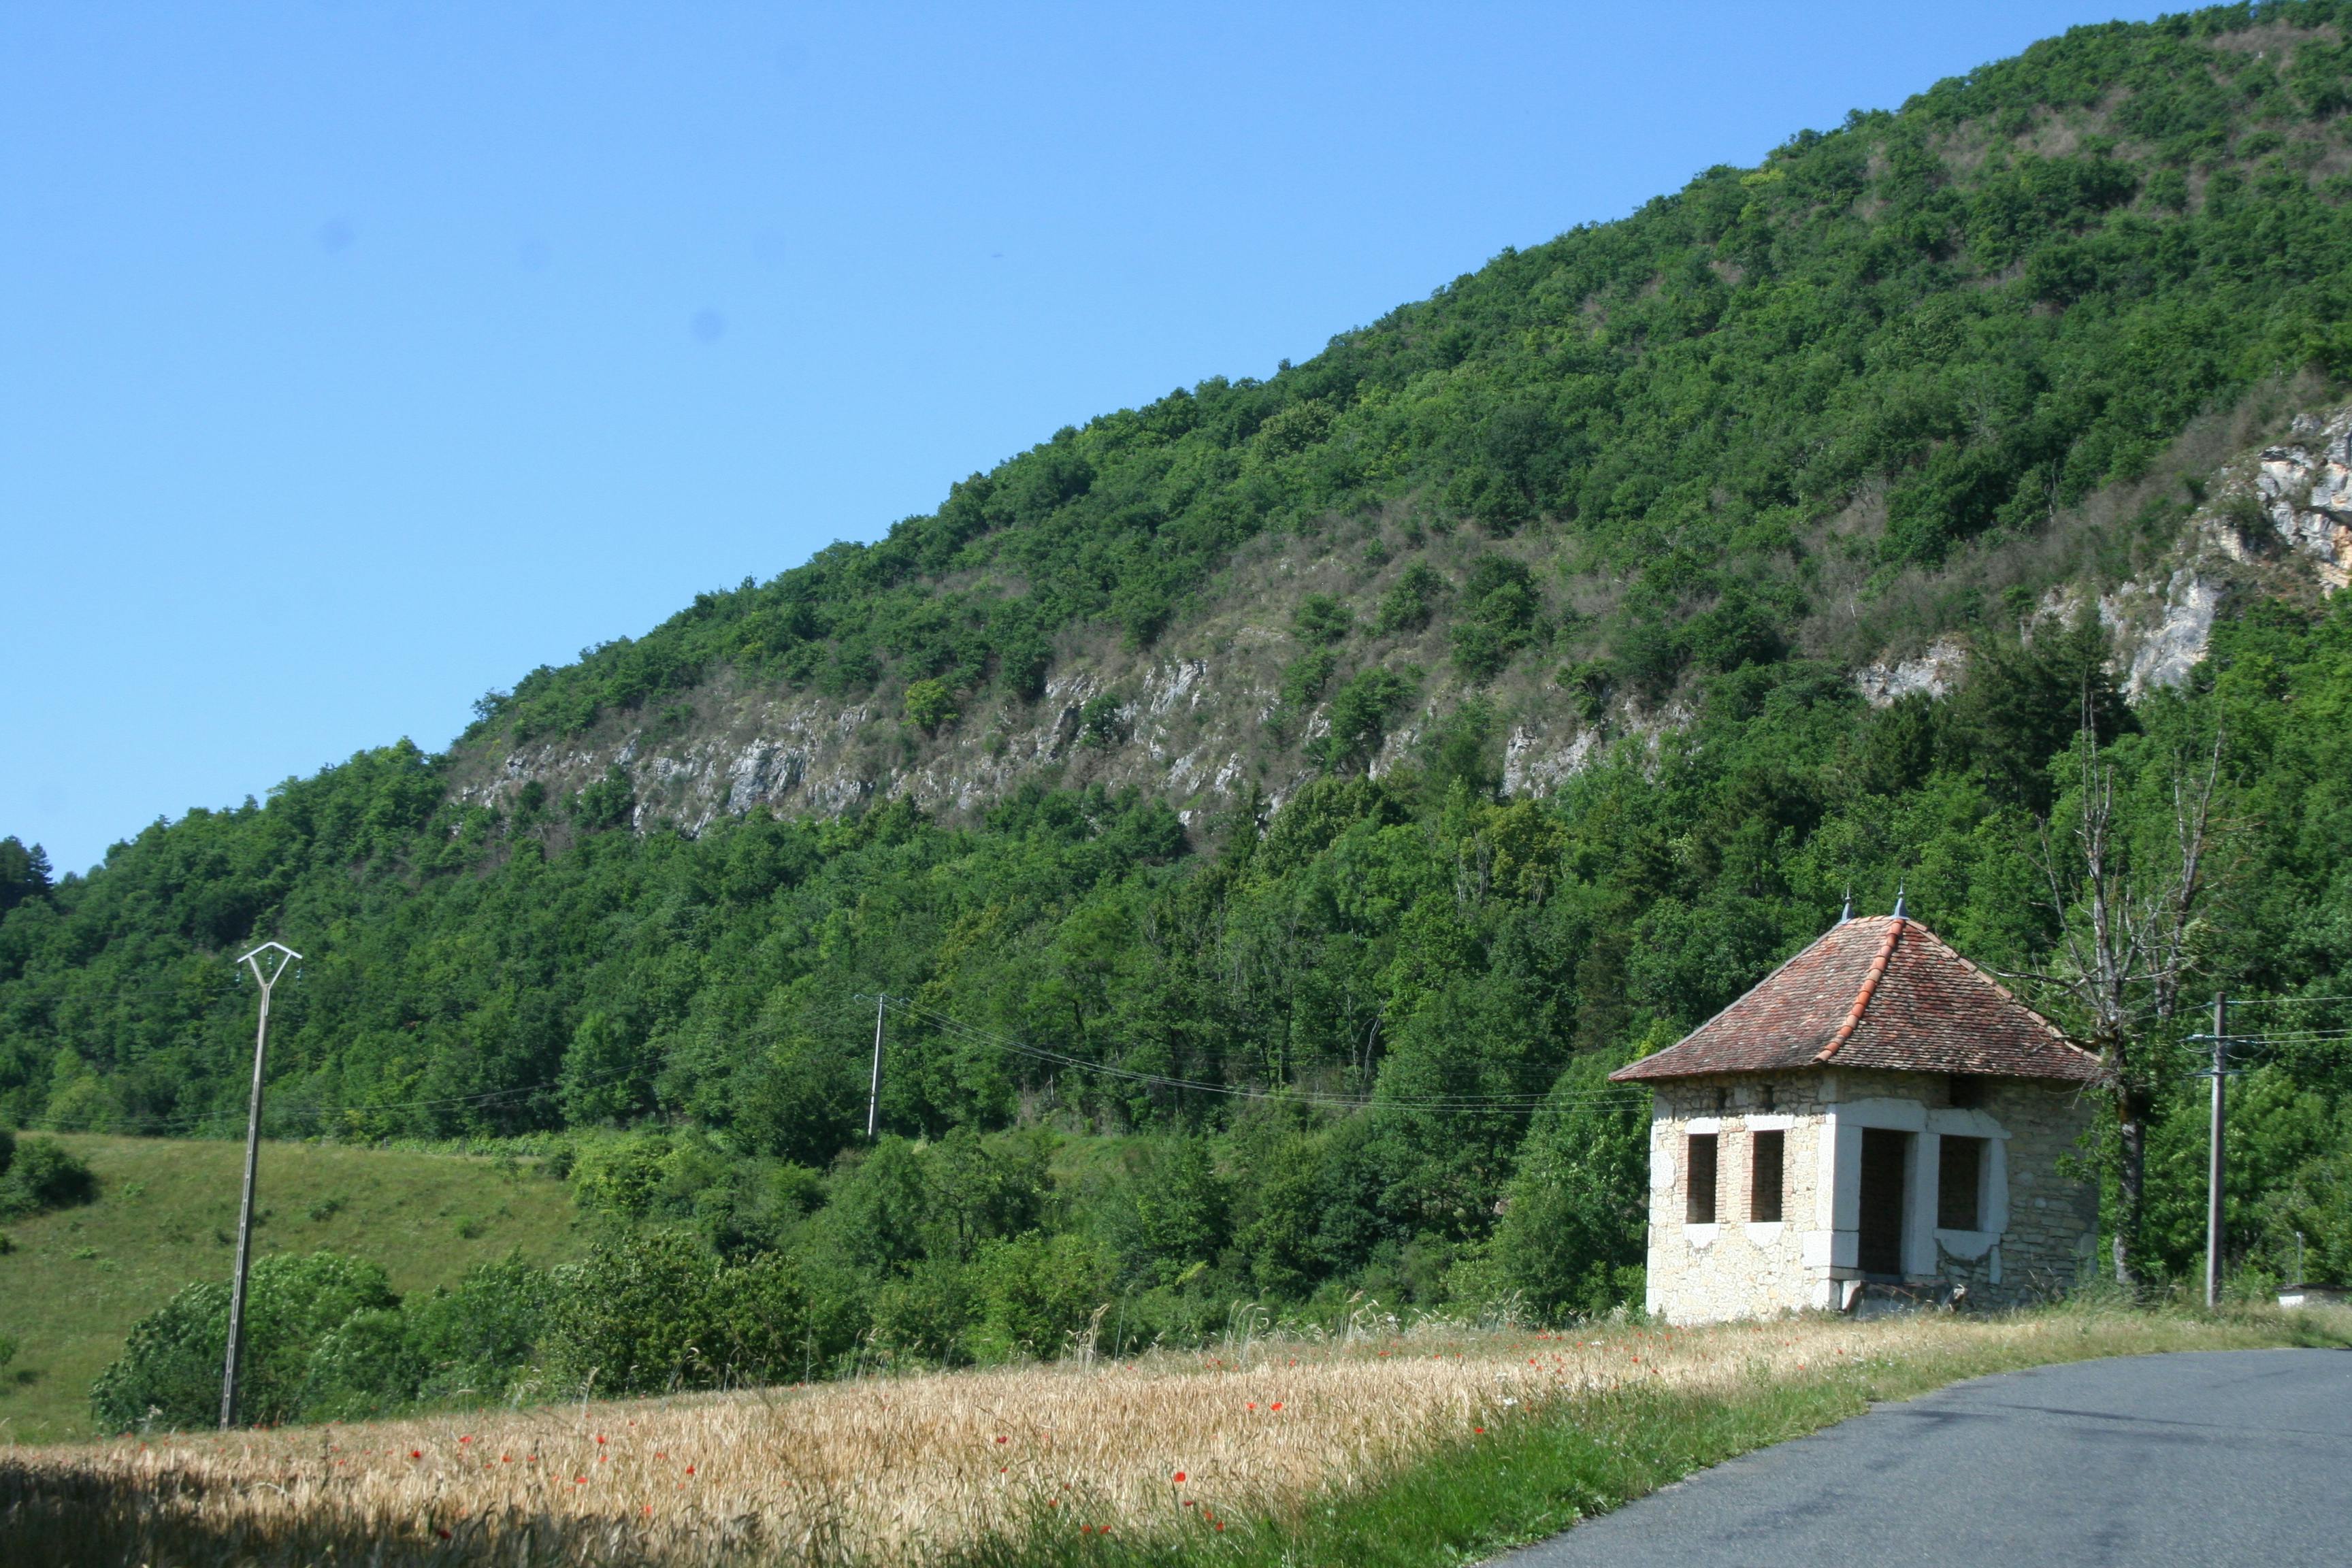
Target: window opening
{"points": [[1701, 1208], [1885, 1156], [1959, 1178], [1966, 1093], [1764, 1177]]}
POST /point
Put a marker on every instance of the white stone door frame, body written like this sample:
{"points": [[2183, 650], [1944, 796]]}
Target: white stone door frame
{"points": [[1835, 1241]]}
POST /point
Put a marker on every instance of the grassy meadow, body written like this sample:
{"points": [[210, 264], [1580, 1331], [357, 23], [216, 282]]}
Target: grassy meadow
{"points": [[165, 1216], [1423, 1448]]}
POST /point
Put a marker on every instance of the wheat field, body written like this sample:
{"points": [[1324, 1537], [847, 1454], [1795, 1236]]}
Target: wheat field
{"points": [[906, 1469]]}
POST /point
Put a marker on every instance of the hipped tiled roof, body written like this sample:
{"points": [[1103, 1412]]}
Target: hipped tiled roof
{"points": [[1881, 992]]}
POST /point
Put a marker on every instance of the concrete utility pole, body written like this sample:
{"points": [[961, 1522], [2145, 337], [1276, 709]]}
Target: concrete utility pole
{"points": [[873, 1089], [277, 956], [2213, 1161]]}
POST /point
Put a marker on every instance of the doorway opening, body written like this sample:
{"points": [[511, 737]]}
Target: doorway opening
{"points": [[1885, 1160]]}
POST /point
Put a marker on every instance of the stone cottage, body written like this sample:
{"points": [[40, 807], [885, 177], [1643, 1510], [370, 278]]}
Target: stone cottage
{"points": [[1877, 1118]]}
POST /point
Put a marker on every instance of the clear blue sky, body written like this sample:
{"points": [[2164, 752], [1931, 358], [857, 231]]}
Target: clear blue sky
{"points": [[356, 358]]}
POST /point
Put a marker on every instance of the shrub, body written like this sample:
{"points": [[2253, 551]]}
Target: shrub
{"points": [[1360, 719], [1100, 723], [1322, 619], [924, 1313], [931, 705], [622, 1176], [1036, 1293], [168, 1374], [44, 1175], [479, 1336], [1500, 606], [366, 1366], [1409, 602]]}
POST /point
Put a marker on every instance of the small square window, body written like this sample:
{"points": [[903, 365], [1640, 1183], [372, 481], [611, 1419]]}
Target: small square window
{"points": [[1700, 1208], [1960, 1174], [1764, 1177]]}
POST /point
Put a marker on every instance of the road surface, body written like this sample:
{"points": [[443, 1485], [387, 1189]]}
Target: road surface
{"points": [[2225, 1456]]}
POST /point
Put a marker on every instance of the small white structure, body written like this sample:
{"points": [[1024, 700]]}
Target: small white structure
{"points": [[2306, 1295], [1878, 1117]]}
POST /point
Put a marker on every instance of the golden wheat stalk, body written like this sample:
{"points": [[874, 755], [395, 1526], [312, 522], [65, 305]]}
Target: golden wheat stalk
{"points": [[905, 1468]]}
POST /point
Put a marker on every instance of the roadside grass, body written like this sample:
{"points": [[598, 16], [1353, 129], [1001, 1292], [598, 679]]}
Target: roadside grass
{"points": [[1434, 1446], [76, 1279]]}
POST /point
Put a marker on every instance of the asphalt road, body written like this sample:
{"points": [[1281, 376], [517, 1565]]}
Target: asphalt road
{"points": [[2224, 1456]]}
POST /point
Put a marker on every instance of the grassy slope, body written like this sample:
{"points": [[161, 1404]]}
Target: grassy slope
{"points": [[167, 1215]]}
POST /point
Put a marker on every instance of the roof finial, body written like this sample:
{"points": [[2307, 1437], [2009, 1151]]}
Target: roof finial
{"points": [[1846, 913], [1898, 901]]}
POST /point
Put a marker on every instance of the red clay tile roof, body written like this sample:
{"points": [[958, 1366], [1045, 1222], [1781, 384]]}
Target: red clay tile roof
{"points": [[1877, 993]]}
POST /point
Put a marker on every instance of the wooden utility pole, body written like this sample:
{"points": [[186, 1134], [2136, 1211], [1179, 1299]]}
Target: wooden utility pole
{"points": [[2213, 1159]]}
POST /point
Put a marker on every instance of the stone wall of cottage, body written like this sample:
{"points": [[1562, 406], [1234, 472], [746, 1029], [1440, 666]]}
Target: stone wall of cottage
{"points": [[1741, 1268]]}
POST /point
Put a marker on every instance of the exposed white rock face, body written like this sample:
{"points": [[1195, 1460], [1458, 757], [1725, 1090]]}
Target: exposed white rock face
{"points": [[2305, 491], [2163, 635], [1192, 717], [1935, 672], [1536, 762]]}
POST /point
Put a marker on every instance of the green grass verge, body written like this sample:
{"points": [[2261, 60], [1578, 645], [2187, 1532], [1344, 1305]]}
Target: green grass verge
{"points": [[165, 1216], [1530, 1478]]}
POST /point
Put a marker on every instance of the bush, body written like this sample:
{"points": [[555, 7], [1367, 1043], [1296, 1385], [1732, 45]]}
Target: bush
{"points": [[479, 1337], [169, 1375], [622, 1176], [44, 1175], [1360, 719], [366, 1366], [1037, 1294], [655, 1311], [931, 705], [1322, 619], [1409, 602]]}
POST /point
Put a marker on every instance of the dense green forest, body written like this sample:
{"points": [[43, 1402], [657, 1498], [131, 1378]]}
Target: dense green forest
{"points": [[1358, 1045]]}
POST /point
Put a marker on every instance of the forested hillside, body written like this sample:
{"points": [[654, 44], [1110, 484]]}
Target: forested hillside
{"points": [[1654, 489]]}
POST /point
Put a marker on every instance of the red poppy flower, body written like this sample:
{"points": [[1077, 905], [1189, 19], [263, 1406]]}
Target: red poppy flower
{"points": [[1180, 1478]]}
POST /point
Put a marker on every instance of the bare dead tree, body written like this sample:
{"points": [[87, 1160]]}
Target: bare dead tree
{"points": [[2129, 925]]}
